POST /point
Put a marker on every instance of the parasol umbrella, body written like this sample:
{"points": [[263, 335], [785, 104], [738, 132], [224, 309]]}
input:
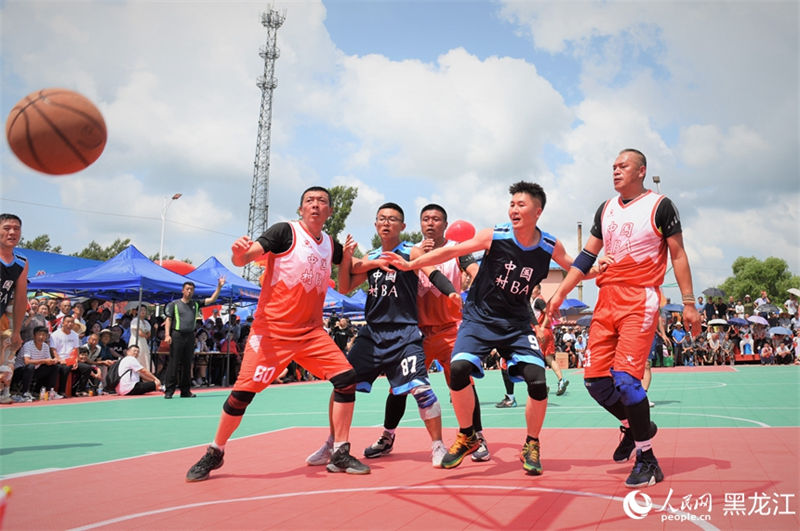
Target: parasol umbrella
{"points": [[738, 321], [713, 292], [768, 308], [779, 331], [718, 322], [757, 319], [673, 308], [584, 320], [794, 291]]}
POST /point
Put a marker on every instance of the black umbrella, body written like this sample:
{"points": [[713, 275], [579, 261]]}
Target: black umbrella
{"points": [[713, 292], [768, 308]]}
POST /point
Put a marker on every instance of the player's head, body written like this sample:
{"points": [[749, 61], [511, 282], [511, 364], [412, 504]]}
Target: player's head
{"points": [[315, 205], [629, 170], [526, 205], [389, 220], [188, 289], [10, 229], [433, 221]]}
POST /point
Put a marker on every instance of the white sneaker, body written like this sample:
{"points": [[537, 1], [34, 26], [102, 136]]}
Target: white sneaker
{"points": [[56, 396], [652, 404], [437, 454], [322, 456]]}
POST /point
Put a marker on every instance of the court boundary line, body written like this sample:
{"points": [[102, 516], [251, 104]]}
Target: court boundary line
{"points": [[132, 516]]}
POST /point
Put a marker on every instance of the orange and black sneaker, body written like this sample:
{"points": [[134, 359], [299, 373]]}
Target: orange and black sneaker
{"points": [[461, 448], [530, 458]]}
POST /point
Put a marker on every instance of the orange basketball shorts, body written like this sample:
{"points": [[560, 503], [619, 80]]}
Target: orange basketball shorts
{"points": [[624, 321], [438, 342], [265, 358]]}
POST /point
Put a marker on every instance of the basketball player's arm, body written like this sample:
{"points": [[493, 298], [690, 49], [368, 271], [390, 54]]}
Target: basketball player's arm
{"points": [[683, 274], [481, 241], [348, 278], [20, 307], [574, 275], [563, 259]]}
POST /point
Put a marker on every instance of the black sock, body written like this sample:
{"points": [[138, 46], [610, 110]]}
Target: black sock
{"points": [[476, 413], [639, 420], [529, 439], [469, 431]]}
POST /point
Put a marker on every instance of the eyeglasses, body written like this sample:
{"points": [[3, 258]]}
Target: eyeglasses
{"points": [[390, 219]]}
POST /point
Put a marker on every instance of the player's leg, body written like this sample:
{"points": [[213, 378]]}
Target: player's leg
{"points": [[648, 377], [509, 400]]}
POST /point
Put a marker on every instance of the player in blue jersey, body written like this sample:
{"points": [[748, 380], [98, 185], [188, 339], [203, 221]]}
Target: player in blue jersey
{"points": [[391, 342], [497, 314]]}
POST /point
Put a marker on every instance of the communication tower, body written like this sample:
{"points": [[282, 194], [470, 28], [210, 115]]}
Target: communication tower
{"points": [[259, 195]]}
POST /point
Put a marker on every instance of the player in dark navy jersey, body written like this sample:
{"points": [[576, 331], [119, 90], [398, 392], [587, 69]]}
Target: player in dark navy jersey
{"points": [[497, 314], [391, 341], [13, 298]]}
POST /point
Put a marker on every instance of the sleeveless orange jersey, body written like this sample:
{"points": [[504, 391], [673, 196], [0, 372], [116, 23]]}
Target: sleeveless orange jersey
{"points": [[293, 286], [432, 305], [632, 238]]}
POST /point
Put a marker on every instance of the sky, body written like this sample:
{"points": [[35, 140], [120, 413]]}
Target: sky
{"points": [[415, 102]]}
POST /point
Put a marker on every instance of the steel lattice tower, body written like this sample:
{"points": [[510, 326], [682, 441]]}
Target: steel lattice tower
{"points": [[259, 195]]}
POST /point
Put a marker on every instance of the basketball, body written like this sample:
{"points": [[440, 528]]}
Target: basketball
{"points": [[460, 231], [56, 131]]}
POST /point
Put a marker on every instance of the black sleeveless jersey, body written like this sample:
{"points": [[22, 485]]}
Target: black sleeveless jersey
{"points": [[392, 296], [502, 288], [9, 273]]}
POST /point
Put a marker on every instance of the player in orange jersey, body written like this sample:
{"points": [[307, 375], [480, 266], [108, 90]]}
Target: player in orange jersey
{"points": [[636, 229], [297, 258]]}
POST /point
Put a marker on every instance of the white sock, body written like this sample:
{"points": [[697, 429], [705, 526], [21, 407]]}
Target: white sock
{"points": [[218, 447], [643, 445], [337, 445], [510, 397]]}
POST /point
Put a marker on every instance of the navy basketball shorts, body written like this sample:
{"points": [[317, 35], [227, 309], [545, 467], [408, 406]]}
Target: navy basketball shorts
{"points": [[514, 344], [395, 351]]}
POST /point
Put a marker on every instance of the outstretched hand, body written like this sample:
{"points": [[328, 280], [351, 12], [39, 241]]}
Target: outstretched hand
{"points": [[240, 246], [396, 260], [455, 301]]}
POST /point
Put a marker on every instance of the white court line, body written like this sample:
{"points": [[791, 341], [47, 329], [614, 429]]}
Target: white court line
{"points": [[699, 523]]}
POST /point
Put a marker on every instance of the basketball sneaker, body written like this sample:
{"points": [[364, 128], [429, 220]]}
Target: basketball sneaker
{"points": [[461, 448], [321, 456], [507, 402], [211, 461], [646, 471], [530, 458], [342, 461], [482, 453], [626, 443], [562, 387], [383, 446], [437, 454]]}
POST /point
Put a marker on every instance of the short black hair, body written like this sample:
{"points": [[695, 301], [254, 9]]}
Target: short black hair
{"points": [[6, 216], [316, 189], [393, 206], [38, 329], [433, 206], [188, 283], [642, 158], [532, 189]]}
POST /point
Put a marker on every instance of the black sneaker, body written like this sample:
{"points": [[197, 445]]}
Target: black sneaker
{"points": [[530, 458], [211, 461], [383, 446], [507, 402], [562, 387], [646, 471], [461, 448], [626, 443], [342, 461]]}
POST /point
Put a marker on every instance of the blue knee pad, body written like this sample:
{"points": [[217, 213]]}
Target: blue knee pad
{"points": [[630, 389], [427, 402], [602, 390]]}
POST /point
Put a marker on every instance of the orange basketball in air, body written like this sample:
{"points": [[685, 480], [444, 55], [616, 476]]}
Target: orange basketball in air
{"points": [[56, 131]]}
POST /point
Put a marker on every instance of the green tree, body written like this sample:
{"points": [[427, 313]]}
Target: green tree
{"points": [[39, 243], [154, 258], [751, 276], [96, 252], [342, 198]]}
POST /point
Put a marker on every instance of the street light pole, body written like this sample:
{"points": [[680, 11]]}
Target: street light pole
{"points": [[657, 180], [167, 202]]}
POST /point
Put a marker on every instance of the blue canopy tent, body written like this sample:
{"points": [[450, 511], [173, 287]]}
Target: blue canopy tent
{"points": [[44, 263], [236, 289], [340, 304], [128, 276]]}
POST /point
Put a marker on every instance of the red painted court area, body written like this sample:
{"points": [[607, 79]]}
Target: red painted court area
{"points": [[265, 484]]}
